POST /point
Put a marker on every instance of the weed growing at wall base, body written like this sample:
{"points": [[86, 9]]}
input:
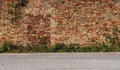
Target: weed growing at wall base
{"points": [[58, 47], [9, 47]]}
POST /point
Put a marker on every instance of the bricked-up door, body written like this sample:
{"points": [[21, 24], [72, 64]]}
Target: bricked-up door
{"points": [[38, 27]]}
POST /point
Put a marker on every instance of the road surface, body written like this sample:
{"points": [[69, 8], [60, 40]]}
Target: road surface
{"points": [[60, 61]]}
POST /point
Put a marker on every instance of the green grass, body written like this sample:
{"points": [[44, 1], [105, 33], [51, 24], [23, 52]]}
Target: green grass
{"points": [[9, 47], [58, 47]]}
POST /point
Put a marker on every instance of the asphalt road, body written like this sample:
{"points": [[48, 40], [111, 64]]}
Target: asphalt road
{"points": [[60, 61]]}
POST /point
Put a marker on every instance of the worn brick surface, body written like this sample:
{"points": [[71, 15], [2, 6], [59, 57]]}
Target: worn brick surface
{"points": [[70, 21]]}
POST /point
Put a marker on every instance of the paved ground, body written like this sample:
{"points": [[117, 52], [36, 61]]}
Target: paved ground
{"points": [[60, 61]]}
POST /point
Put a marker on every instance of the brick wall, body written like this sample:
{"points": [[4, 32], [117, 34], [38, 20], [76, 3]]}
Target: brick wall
{"points": [[84, 22]]}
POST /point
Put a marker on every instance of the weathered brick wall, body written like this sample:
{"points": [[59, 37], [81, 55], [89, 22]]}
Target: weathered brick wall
{"points": [[84, 22]]}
